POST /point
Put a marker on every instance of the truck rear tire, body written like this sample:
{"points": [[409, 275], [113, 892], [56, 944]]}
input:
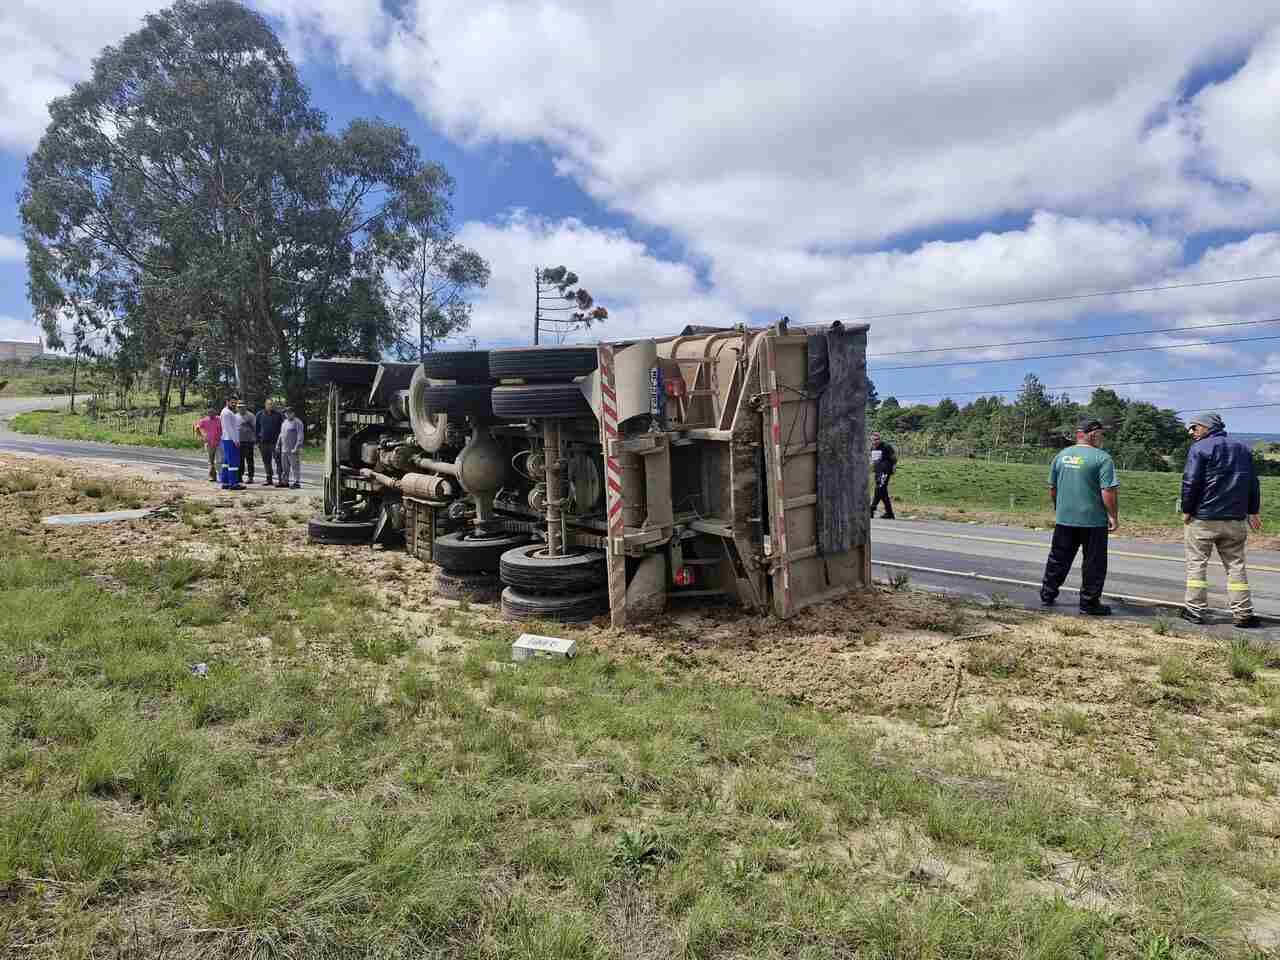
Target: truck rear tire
{"points": [[345, 373], [540, 400], [541, 363], [530, 571], [461, 366], [346, 532], [459, 399], [475, 587], [463, 552], [568, 608]]}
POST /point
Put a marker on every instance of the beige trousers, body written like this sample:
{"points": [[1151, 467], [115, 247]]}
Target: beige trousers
{"points": [[1229, 537], [215, 460]]}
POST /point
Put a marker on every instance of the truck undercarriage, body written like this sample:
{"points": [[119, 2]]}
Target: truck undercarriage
{"points": [[728, 465]]}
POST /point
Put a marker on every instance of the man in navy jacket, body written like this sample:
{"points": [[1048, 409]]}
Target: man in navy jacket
{"points": [[1220, 492], [269, 423]]}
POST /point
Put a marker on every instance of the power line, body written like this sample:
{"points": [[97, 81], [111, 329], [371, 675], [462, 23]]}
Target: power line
{"points": [[1087, 336], [1090, 353], [1074, 296], [1088, 386], [1246, 406]]}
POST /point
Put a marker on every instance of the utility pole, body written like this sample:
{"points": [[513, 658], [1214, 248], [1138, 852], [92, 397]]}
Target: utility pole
{"points": [[537, 304]]}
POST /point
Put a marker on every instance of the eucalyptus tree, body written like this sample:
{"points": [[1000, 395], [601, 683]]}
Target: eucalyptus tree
{"points": [[190, 172]]}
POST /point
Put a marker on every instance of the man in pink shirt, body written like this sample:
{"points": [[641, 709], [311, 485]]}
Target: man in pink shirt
{"points": [[210, 428]]}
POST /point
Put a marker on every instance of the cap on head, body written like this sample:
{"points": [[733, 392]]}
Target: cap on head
{"points": [[1209, 420], [1088, 425]]}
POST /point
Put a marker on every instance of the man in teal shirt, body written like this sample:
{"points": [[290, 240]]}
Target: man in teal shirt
{"points": [[1085, 494]]}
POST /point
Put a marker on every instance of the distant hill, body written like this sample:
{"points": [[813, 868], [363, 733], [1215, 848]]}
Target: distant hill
{"points": [[1256, 438]]}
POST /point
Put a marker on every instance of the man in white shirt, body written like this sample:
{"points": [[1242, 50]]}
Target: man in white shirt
{"points": [[230, 419]]}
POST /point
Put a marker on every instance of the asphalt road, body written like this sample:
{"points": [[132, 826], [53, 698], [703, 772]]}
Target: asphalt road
{"points": [[1144, 579], [188, 464]]}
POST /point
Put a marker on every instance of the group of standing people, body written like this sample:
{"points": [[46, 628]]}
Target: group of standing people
{"points": [[1221, 500], [231, 436]]}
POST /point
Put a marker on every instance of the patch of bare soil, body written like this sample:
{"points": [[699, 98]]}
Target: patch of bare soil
{"points": [[200, 521], [218, 520], [1022, 691]]}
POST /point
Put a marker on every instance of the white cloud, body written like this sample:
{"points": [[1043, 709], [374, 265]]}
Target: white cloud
{"points": [[11, 328], [47, 48], [643, 293], [11, 249], [822, 124]]}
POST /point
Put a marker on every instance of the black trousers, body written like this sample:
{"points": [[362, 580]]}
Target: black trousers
{"points": [[246, 460], [271, 459], [882, 494], [1062, 554]]}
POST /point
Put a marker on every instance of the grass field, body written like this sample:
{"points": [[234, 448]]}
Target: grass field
{"points": [[38, 379], [1018, 492], [330, 790], [140, 432]]}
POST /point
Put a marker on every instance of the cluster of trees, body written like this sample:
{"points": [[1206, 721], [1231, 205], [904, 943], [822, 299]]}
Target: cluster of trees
{"points": [[1141, 436], [190, 212]]}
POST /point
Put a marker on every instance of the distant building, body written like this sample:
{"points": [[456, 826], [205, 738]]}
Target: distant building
{"points": [[20, 349]]}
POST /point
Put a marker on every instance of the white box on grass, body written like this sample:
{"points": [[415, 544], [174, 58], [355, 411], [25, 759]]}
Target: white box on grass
{"points": [[530, 645]]}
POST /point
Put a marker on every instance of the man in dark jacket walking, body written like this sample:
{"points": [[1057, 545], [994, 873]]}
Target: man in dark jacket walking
{"points": [[1221, 499], [884, 460], [269, 422]]}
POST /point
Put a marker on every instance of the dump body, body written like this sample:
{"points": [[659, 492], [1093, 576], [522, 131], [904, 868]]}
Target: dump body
{"points": [[726, 465]]}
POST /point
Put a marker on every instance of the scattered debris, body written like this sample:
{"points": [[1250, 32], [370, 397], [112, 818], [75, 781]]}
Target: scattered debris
{"points": [[950, 716], [200, 669], [110, 516], [530, 645]]}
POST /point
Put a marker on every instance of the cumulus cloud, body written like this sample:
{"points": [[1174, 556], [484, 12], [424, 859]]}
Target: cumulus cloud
{"points": [[48, 48], [644, 294], [12, 328], [822, 123]]}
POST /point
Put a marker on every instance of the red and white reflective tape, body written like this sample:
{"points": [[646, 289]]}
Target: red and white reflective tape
{"points": [[779, 526], [616, 561]]}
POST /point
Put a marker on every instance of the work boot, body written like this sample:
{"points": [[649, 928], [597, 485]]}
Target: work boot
{"points": [[1249, 623], [1191, 616], [296, 486], [1047, 601], [1095, 610]]}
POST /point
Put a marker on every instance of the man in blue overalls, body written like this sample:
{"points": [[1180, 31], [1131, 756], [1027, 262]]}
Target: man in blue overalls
{"points": [[230, 418]]}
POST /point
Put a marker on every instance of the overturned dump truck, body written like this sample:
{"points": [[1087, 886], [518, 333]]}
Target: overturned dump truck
{"points": [[614, 478]]}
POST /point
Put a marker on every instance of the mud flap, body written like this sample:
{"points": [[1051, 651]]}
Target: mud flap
{"points": [[332, 490], [647, 591]]}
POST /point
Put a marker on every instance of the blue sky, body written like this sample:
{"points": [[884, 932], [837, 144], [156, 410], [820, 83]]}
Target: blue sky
{"points": [[823, 160]]}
